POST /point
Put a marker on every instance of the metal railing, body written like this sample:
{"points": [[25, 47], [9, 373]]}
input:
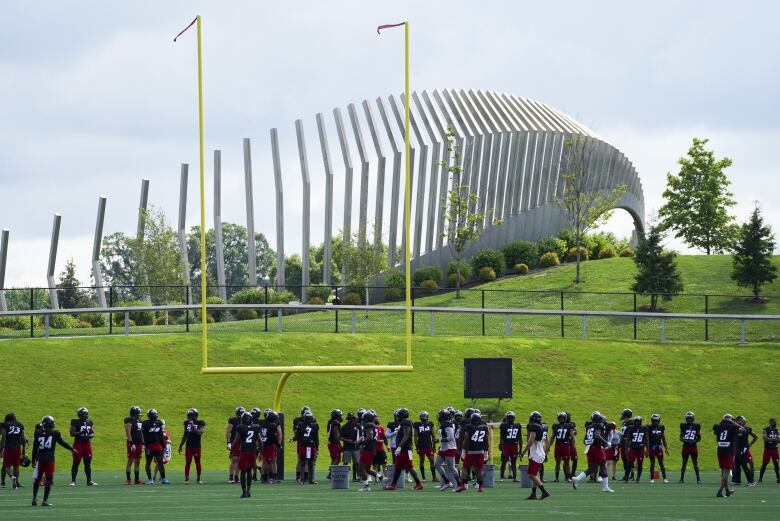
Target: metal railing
{"points": [[357, 316]]}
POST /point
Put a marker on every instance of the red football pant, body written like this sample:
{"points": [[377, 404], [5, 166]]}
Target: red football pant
{"points": [[189, 455]]}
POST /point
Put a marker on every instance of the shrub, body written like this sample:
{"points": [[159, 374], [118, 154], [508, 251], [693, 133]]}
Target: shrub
{"points": [[627, 252], [141, 318], [62, 322], [521, 269], [249, 296], [83, 324], [215, 314], [520, 252], [571, 256], [429, 286], [352, 298], [426, 273], [160, 321], [487, 274], [394, 278], [452, 280], [549, 260], [598, 241], [246, 314], [394, 293], [465, 268], [320, 292], [607, 252], [314, 300], [554, 245], [96, 319], [15, 323], [490, 258]]}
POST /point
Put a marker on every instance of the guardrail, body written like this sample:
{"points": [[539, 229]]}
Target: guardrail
{"points": [[281, 311]]}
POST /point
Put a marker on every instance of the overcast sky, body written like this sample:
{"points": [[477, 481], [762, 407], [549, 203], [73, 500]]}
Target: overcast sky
{"points": [[95, 95]]}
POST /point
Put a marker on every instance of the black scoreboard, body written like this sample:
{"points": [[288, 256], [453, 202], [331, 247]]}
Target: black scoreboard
{"points": [[487, 377]]}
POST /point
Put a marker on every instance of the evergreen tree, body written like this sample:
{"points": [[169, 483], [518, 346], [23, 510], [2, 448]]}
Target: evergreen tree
{"points": [[753, 267], [657, 273], [69, 292]]}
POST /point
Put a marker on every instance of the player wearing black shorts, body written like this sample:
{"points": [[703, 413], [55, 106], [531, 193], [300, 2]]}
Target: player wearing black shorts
{"points": [[45, 441], [154, 442], [743, 459], [690, 436], [246, 437], [771, 437], [295, 423], [308, 437], [423, 442], [134, 442]]}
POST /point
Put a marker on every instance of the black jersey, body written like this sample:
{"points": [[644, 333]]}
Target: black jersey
{"points": [[369, 437], [350, 434], [690, 434], [477, 436], [424, 431], [268, 432], [45, 442], [743, 439], [83, 429], [563, 433], [636, 436], [405, 424], [510, 433], [192, 436], [248, 436], [308, 434], [153, 432], [14, 435], [136, 429], [595, 434], [655, 434], [296, 423], [772, 437], [334, 430], [725, 436]]}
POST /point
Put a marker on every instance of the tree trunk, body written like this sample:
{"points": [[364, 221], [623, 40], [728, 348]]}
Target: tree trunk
{"points": [[577, 246], [457, 280]]}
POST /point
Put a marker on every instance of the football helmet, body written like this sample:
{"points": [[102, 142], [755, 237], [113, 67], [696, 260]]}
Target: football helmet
{"points": [[304, 409], [655, 418], [510, 417], [626, 414], [82, 413], [240, 411], [638, 420], [424, 416], [360, 412], [728, 417], [562, 417], [368, 417], [458, 415], [192, 414], [135, 411], [255, 412], [740, 419], [476, 418], [272, 416], [596, 417], [444, 415], [308, 417], [151, 414], [403, 413], [690, 417], [468, 412], [25, 461], [451, 409], [772, 422], [336, 414], [351, 416], [246, 418], [535, 417], [47, 422]]}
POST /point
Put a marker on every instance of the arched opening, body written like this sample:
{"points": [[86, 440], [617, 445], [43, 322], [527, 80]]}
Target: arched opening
{"points": [[624, 222]]}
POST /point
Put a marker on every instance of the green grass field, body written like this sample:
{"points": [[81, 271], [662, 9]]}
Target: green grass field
{"points": [[214, 500]]}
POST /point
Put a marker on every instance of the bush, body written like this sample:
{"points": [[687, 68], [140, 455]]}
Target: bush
{"points": [[487, 274], [140, 318], [246, 314], [352, 298], [521, 269], [160, 321], [607, 252], [426, 273], [215, 314], [554, 245], [549, 260], [465, 268], [429, 286], [62, 322], [96, 319], [520, 252], [571, 256], [249, 296], [314, 301], [627, 252], [320, 292], [394, 294], [452, 280], [15, 323], [83, 324], [490, 258]]}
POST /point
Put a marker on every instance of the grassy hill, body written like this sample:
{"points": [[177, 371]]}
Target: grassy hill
{"points": [[109, 374]]}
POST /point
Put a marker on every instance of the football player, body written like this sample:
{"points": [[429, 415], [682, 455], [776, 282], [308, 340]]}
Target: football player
{"points": [[690, 435], [271, 437], [771, 437], [391, 432], [308, 438], [637, 443], [743, 457], [14, 443], [257, 420], [536, 447], [625, 422], [334, 437], [423, 441], [135, 443], [403, 450], [473, 451], [350, 433], [233, 451], [193, 431], [2, 466], [81, 428], [380, 457], [154, 443], [563, 438], [573, 455], [510, 444], [656, 437], [726, 433], [368, 451], [246, 437], [295, 423], [46, 440], [595, 442], [445, 459]]}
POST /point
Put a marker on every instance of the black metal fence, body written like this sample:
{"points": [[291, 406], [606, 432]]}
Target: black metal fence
{"points": [[423, 323]]}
